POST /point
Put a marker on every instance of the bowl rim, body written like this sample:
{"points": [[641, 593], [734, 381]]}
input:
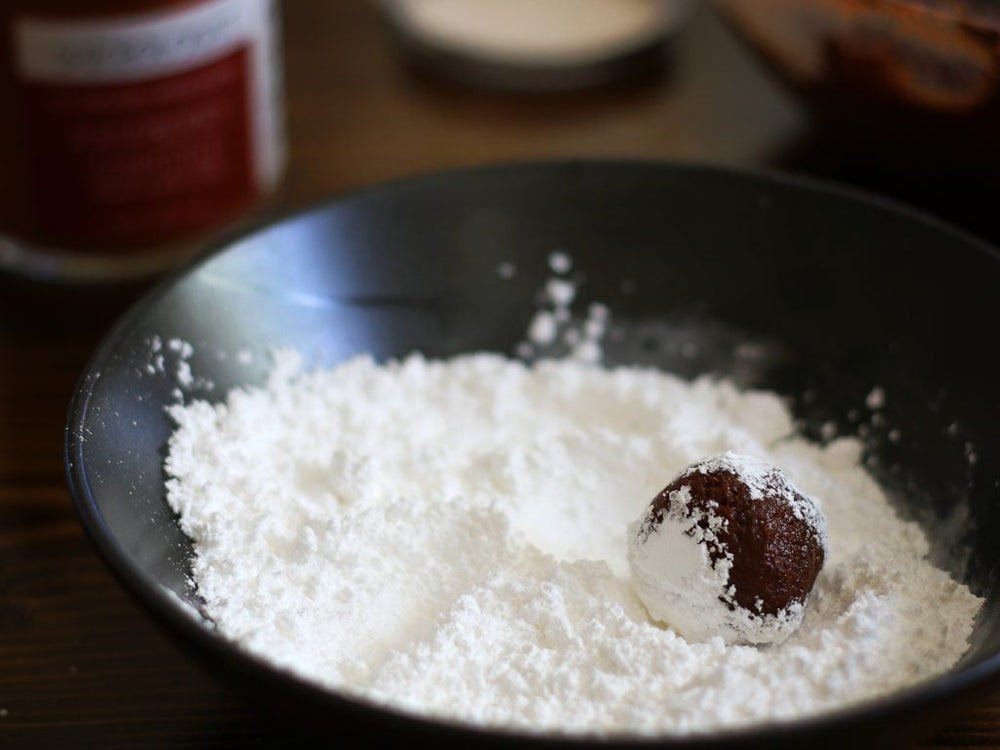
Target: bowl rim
{"points": [[189, 629]]}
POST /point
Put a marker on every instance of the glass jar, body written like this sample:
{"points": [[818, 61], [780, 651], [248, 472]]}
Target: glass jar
{"points": [[133, 129]]}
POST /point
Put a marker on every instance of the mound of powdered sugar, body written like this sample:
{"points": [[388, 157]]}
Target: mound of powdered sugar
{"points": [[449, 537]]}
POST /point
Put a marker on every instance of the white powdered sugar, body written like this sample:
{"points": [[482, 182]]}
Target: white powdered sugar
{"points": [[449, 537], [553, 323]]}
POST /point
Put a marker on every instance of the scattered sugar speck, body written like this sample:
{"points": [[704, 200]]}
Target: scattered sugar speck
{"points": [[560, 262], [875, 398], [182, 347], [970, 454], [594, 328], [561, 292], [543, 328], [184, 377], [598, 311], [506, 270], [586, 351]]}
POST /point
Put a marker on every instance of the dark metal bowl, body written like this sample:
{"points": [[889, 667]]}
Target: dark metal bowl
{"points": [[837, 292]]}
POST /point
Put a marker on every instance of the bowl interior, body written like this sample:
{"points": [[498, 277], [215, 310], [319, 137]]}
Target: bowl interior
{"points": [[817, 293]]}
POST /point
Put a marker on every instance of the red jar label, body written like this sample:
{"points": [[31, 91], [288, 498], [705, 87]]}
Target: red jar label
{"points": [[144, 130]]}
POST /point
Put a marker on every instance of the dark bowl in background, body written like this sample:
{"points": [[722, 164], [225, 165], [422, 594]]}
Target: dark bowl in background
{"points": [[913, 81], [836, 292]]}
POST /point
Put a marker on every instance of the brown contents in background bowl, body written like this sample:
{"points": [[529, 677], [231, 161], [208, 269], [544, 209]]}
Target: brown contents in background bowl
{"points": [[887, 70]]}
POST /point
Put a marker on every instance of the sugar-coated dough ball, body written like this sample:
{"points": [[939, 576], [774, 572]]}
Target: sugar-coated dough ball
{"points": [[730, 548]]}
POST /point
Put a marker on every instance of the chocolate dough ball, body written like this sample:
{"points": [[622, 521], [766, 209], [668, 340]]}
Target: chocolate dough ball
{"points": [[730, 548]]}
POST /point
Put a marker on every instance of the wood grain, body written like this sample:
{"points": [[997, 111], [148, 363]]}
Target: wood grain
{"points": [[80, 664]]}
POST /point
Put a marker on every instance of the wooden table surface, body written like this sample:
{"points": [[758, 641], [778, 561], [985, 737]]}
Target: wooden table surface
{"points": [[80, 664]]}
